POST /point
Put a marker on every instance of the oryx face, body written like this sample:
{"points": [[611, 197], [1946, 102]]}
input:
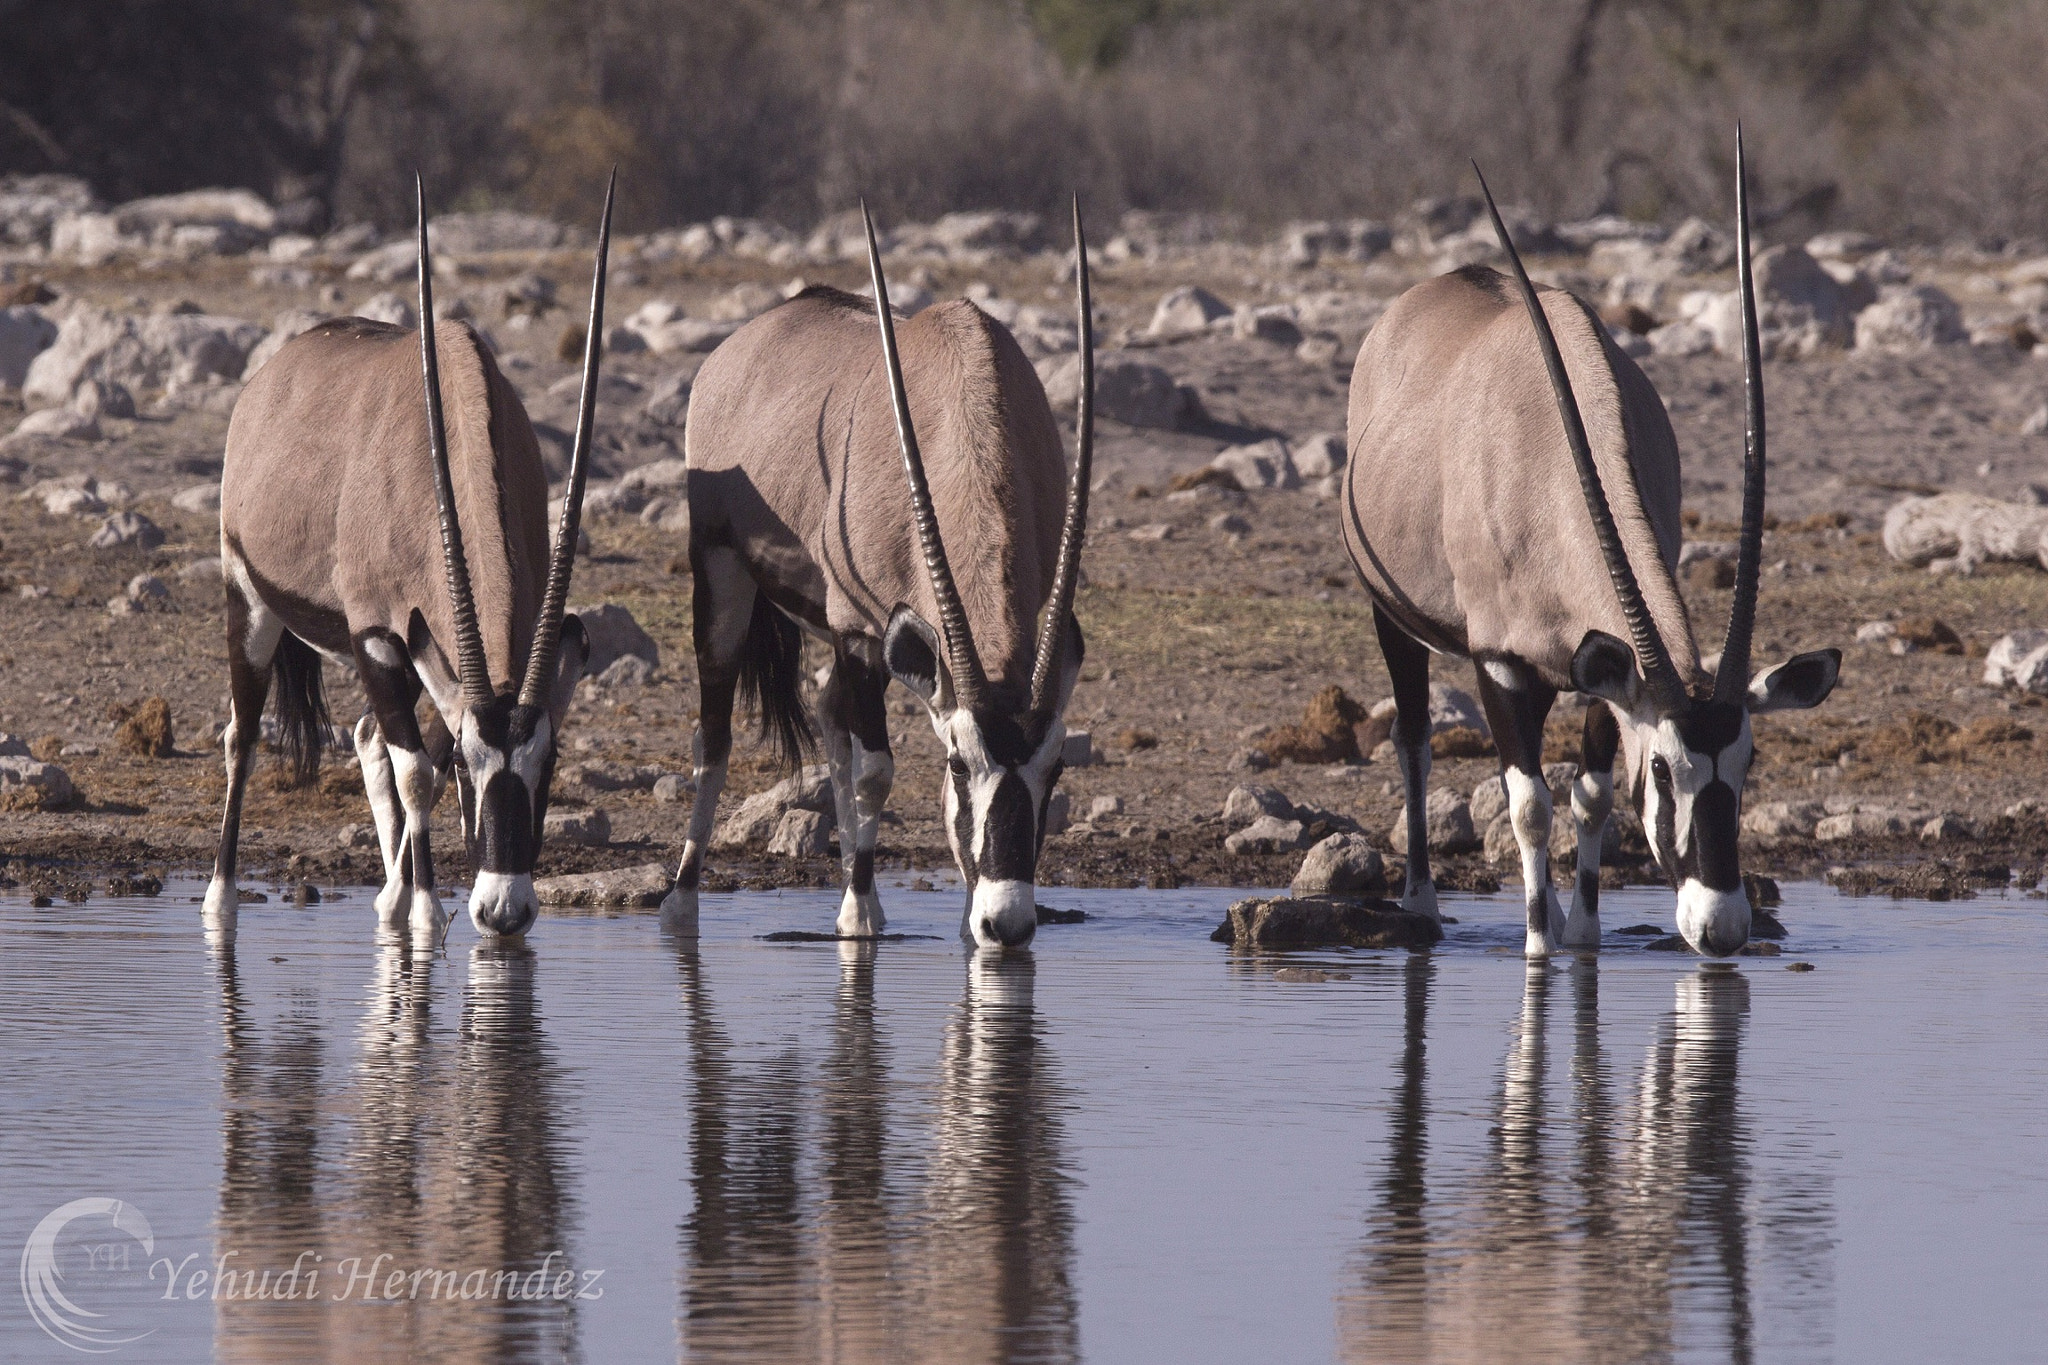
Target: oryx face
{"points": [[504, 763], [1689, 763], [1001, 768]]}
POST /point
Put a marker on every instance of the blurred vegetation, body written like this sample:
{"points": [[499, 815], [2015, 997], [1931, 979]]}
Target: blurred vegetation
{"points": [[1903, 116]]}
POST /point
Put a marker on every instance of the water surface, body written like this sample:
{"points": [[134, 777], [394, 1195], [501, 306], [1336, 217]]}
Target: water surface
{"points": [[1124, 1145]]}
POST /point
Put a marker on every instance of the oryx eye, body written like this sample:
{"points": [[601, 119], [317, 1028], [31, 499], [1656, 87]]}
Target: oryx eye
{"points": [[958, 766], [1659, 769]]}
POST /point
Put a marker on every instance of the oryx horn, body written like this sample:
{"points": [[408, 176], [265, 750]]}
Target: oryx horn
{"points": [[1731, 680], [1658, 673], [969, 682], [547, 635], [1052, 635], [471, 666]]}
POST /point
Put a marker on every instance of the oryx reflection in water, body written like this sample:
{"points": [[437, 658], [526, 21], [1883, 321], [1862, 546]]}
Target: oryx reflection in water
{"points": [[443, 1153], [1609, 1231], [862, 1215]]}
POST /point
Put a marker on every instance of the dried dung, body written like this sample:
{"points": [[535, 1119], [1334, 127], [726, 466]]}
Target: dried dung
{"points": [[145, 729]]}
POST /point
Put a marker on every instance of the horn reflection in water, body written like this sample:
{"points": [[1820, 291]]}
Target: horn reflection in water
{"points": [[444, 1154], [1587, 1229], [879, 1229]]}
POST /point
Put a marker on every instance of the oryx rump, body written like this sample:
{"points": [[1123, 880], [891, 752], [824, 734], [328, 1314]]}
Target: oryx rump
{"points": [[383, 505], [913, 510], [1514, 499]]}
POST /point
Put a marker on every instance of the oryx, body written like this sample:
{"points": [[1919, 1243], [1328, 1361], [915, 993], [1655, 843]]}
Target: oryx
{"points": [[1484, 527], [335, 452], [929, 566]]}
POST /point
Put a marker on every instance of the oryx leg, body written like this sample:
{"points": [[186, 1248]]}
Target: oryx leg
{"points": [[382, 787], [722, 600], [393, 688], [1592, 803], [855, 724], [253, 633], [1517, 702], [382, 790], [1408, 666]]}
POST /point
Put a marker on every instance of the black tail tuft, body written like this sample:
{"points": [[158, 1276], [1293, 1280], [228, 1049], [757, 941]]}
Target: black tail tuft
{"points": [[771, 679], [301, 707]]}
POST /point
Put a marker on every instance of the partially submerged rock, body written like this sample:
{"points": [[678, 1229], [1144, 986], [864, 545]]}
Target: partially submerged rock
{"points": [[645, 885], [1292, 922]]}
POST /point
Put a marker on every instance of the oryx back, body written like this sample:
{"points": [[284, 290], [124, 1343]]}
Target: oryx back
{"points": [[327, 490], [794, 464], [1462, 509]]}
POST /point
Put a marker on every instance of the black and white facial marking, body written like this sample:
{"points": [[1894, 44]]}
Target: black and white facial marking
{"points": [[1001, 768], [1689, 767], [504, 765]]}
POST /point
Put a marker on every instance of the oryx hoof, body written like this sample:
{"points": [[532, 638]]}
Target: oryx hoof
{"points": [[428, 920], [393, 901], [1539, 945], [222, 906], [1582, 930], [1421, 900], [860, 914], [679, 913]]}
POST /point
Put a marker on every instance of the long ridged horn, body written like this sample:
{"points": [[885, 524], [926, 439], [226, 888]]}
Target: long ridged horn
{"points": [[1052, 635], [471, 665], [970, 684], [1666, 689], [1731, 681], [547, 634]]}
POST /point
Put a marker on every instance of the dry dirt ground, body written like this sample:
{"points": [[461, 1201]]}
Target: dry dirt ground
{"points": [[1195, 640]]}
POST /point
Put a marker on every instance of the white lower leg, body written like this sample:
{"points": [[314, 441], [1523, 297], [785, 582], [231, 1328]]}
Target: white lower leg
{"points": [[1419, 894], [223, 903], [1529, 810], [1592, 803], [860, 911], [381, 788], [413, 774]]}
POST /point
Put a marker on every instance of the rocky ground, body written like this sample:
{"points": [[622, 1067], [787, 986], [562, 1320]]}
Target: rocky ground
{"points": [[1216, 607]]}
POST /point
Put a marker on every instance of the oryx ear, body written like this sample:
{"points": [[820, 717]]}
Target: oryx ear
{"points": [[1605, 667], [575, 653], [910, 648], [1801, 682]]}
